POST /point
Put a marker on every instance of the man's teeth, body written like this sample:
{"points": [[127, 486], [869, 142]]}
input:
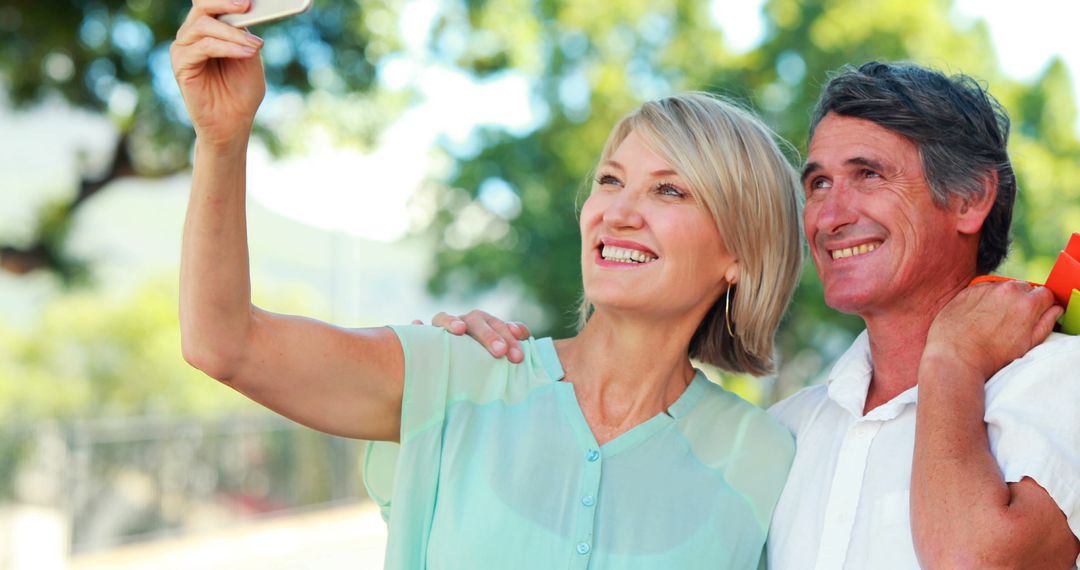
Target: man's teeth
{"points": [[612, 253], [852, 251]]}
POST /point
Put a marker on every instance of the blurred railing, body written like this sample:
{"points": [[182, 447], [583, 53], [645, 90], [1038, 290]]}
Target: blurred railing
{"points": [[121, 480]]}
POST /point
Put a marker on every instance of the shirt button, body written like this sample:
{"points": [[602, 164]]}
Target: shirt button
{"points": [[583, 548], [588, 500], [863, 430], [592, 455]]}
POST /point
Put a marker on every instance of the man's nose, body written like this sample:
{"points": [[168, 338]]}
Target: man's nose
{"points": [[624, 211], [836, 209]]}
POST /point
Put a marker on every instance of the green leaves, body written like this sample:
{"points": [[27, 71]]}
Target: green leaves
{"points": [[590, 64]]}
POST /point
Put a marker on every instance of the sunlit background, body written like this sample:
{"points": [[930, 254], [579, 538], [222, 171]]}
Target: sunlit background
{"points": [[411, 156]]}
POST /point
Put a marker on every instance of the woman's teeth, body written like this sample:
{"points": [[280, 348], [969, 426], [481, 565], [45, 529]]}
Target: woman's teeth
{"points": [[852, 251], [624, 255]]}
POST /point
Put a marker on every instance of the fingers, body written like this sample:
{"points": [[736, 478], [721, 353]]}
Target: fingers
{"points": [[480, 328], [499, 337], [1050, 312], [453, 324], [206, 26], [209, 48], [1042, 295], [507, 337], [216, 7], [521, 332]]}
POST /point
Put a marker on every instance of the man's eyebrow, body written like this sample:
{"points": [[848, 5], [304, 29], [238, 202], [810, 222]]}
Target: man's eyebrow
{"points": [[869, 163], [807, 170]]}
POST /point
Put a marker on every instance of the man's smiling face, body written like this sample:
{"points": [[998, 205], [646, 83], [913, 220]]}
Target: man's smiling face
{"points": [[878, 240]]}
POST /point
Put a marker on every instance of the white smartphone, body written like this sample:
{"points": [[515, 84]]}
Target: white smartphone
{"points": [[263, 11]]}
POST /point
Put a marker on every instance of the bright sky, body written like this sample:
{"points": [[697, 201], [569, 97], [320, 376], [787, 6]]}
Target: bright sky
{"points": [[366, 195]]}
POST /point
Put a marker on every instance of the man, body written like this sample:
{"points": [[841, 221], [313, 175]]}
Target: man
{"points": [[909, 195]]}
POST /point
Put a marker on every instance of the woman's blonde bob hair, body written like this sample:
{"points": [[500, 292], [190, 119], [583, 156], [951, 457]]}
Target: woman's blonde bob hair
{"points": [[734, 165]]}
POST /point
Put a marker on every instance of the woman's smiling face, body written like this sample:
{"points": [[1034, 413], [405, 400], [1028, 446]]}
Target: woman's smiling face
{"points": [[648, 242]]}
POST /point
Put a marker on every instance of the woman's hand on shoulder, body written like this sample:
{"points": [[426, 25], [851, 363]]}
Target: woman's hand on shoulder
{"points": [[219, 71], [500, 338]]}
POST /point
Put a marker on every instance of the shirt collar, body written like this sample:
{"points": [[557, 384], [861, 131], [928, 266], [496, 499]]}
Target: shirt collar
{"points": [[849, 382]]}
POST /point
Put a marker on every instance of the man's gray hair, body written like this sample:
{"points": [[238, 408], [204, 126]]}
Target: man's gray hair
{"points": [[961, 132]]}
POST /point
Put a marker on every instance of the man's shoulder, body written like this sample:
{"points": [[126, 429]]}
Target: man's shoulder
{"points": [[1049, 370], [1055, 345], [793, 410], [1058, 349]]}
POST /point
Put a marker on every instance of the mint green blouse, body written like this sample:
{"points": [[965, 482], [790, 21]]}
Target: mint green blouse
{"points": [[497, 468]]}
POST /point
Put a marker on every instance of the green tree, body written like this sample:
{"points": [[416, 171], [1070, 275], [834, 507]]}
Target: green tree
{"points": [[590, 64], [111, 57]]}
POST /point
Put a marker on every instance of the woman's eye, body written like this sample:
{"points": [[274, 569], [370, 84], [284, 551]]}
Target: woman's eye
{"points": [[670, 190], [607, 179]]}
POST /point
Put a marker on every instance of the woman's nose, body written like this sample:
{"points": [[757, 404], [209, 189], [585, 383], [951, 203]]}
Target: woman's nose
{"points": [[624, 210]]}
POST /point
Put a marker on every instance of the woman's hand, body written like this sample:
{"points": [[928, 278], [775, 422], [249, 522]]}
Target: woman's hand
{"points": [[219, 71], [499, 337]]}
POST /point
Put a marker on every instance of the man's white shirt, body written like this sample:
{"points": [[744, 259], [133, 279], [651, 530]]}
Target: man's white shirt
{"points": [[846, 501]]}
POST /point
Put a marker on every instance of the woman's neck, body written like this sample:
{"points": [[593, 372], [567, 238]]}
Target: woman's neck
{"points": [[626, 372]]}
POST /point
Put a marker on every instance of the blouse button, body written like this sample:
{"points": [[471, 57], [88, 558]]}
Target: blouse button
{"points": [[588, 500], [583, 548], [592, 455]]}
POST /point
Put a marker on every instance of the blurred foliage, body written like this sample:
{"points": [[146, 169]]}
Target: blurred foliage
{"points": [[112, 57], [591, 64], [506, 212], [92, 356]]}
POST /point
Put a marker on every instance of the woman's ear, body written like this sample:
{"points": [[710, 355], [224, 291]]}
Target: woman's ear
{"points": [[971, 212], [732, 273]]}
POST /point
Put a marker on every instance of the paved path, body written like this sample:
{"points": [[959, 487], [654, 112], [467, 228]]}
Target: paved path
{"points": [[351, 537]]}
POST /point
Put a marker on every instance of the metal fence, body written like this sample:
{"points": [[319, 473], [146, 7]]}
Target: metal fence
{"points": [[122, 480]]}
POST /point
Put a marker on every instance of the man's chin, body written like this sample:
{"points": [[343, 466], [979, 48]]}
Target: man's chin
{"points": [[848, 302]]}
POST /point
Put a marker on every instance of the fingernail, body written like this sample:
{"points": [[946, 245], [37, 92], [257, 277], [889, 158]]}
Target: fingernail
{"points": [[254, 38], [238, 2], [458, 323], [515, 354], [247, 49], [498, 346]]}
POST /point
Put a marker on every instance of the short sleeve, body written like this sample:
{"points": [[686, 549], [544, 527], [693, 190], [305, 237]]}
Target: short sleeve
{"points": [[441, 370], [426, 352], [1033, 421], [761, 459], [752, 451]]}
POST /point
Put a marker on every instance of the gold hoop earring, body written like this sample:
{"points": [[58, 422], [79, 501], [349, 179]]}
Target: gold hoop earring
{"points": [[727, 311]]}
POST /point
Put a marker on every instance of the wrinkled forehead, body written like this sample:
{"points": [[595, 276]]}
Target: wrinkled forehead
{"points": [[842, 139]]}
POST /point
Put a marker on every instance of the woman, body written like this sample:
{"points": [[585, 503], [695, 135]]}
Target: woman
{"points": [[605, 450]]}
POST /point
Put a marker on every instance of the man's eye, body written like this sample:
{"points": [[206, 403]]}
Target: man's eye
{"points": [[820, 183], [870, 174]]}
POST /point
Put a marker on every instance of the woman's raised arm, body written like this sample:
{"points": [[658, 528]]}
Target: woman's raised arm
{"points": [[340, 381]]}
